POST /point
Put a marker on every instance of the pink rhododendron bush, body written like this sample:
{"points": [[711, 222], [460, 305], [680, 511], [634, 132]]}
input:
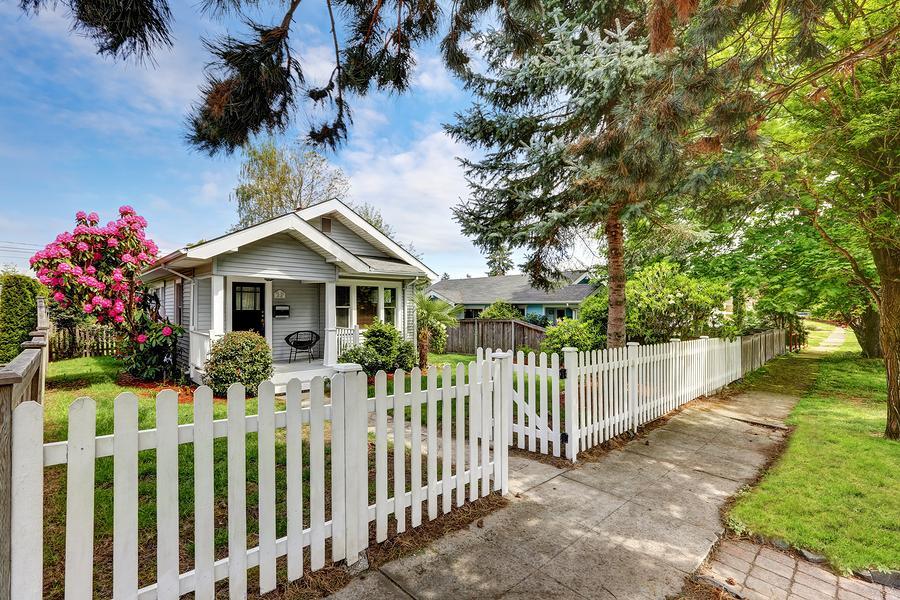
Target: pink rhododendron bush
{"points": [[96, 268]]}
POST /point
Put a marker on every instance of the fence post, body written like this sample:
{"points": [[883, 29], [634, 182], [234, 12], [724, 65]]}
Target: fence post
{"points": [[501, 442], [632, 384], [352, 400], [570, 362]]}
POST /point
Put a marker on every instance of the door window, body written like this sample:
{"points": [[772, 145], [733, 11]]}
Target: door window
{"points": [[366, 305]]}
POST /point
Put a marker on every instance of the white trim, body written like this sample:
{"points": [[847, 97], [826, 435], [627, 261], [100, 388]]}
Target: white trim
{"points": [[319, 242], [267, 302], [397, 286], [336, 206]]}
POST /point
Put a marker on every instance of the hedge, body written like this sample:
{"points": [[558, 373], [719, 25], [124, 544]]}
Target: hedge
{"points": [[18, 312]]}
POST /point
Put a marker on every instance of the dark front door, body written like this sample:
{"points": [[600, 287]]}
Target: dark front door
{"points": [[248, 308]]}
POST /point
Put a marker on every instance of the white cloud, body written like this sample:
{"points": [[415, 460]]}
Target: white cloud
{"points": [[433, 77], [415, 188]]}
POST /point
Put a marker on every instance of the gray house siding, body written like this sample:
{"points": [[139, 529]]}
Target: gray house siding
{"points": [[303, 298], [345, 236], [204, 304], [278, 256], [182, 354], [409, 299]]}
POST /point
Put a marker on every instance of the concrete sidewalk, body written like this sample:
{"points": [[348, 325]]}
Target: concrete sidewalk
{"points": [[631, 525]]}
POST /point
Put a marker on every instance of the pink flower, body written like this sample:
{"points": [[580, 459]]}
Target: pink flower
{"points": [[64, 267], [127, 258], [59, 296], [81, 215], [93, 218], [112, 242], [90, 270], [126, 210], [88, 308], [167, 331], [117, 275], [119, 319], [83, 247], [141, 338]]}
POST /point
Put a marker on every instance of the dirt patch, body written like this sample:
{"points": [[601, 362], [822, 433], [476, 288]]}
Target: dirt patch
{"points": [[185, 392]]}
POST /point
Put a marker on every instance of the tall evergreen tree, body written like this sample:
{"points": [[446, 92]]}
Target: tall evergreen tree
{"points": [[499, 261]]}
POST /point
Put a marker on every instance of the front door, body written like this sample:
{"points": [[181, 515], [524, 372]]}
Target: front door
{"points": [[248, 307]]}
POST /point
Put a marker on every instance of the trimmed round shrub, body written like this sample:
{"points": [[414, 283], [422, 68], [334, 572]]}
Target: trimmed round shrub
{"points": [[18, 313], [383, 349], [238, 357]]}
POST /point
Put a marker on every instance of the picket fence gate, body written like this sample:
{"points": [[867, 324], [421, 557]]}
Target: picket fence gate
{"points": [[473, 452], [617, 390]]}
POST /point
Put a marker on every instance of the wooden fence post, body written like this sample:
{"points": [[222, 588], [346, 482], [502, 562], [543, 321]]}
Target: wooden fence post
{"points": [[632, 384], [570, 362], [354, 403]]}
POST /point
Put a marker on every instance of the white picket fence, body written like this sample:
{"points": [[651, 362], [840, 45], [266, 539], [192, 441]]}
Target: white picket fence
{"points": [[472, 407], [609, 392]]}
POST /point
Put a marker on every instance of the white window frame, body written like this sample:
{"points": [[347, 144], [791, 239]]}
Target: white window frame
{"points": [[397, 286]]}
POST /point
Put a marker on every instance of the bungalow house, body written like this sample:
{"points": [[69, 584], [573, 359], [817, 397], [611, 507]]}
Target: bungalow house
{"points": [[322, 269], [477, 293]]}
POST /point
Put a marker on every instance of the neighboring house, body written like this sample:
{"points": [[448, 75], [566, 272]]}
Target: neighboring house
{"points": [[477, 293], [322, 269]]}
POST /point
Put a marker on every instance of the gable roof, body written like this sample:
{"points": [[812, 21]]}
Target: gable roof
{"points": [[515, 289], [296, 224]]}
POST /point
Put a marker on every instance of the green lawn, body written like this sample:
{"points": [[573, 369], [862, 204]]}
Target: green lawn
{"points": [[836, 489], [96, 378]]}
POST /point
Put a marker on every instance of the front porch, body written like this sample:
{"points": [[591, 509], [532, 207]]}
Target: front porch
{"points": [[302, 369]]}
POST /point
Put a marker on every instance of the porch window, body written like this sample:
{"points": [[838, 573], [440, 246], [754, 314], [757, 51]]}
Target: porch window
{"points": [[366, 305], [390, 306], [342, 300]]}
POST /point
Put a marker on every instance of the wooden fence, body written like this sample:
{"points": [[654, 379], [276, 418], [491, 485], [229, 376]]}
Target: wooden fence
{"points": [[609, 392], [94, 340], [468, 440], [511, 334], [21, 384]]}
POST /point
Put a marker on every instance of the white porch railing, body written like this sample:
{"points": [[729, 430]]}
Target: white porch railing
{"points": [[201, 342], [347, 337]]}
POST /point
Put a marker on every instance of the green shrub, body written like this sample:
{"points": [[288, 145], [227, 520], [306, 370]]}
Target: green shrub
{"points": [[238, 356], [571, 332], [500, 310], [18, 312], [664, 302], [407, 355], [383, 349], [438, 342], [594, 310]]}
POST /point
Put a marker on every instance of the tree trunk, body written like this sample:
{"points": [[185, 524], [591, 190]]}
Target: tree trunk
{"points": [[424, 346], [615, 242], [867, 329], [887, 261]]}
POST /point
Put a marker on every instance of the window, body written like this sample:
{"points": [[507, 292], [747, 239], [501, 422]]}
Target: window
{"points": [[472, 313], [390, 306], [179, 302], [366, 305], [342, 300], [326, 225], [247, 297]]}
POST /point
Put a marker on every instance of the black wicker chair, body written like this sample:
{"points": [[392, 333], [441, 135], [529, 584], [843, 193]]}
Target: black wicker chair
{"points": [[302, 342]]}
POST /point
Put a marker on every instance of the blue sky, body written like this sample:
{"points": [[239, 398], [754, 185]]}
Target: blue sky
{"points": [[83, 132]]}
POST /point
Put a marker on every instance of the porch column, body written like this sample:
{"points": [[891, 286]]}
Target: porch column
{"points": [[218, 305], [331, 348]]}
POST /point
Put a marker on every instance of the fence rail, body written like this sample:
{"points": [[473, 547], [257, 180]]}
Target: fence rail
{"points": [[512, 334], [464, 430], [83, 341], [609, 392]]}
